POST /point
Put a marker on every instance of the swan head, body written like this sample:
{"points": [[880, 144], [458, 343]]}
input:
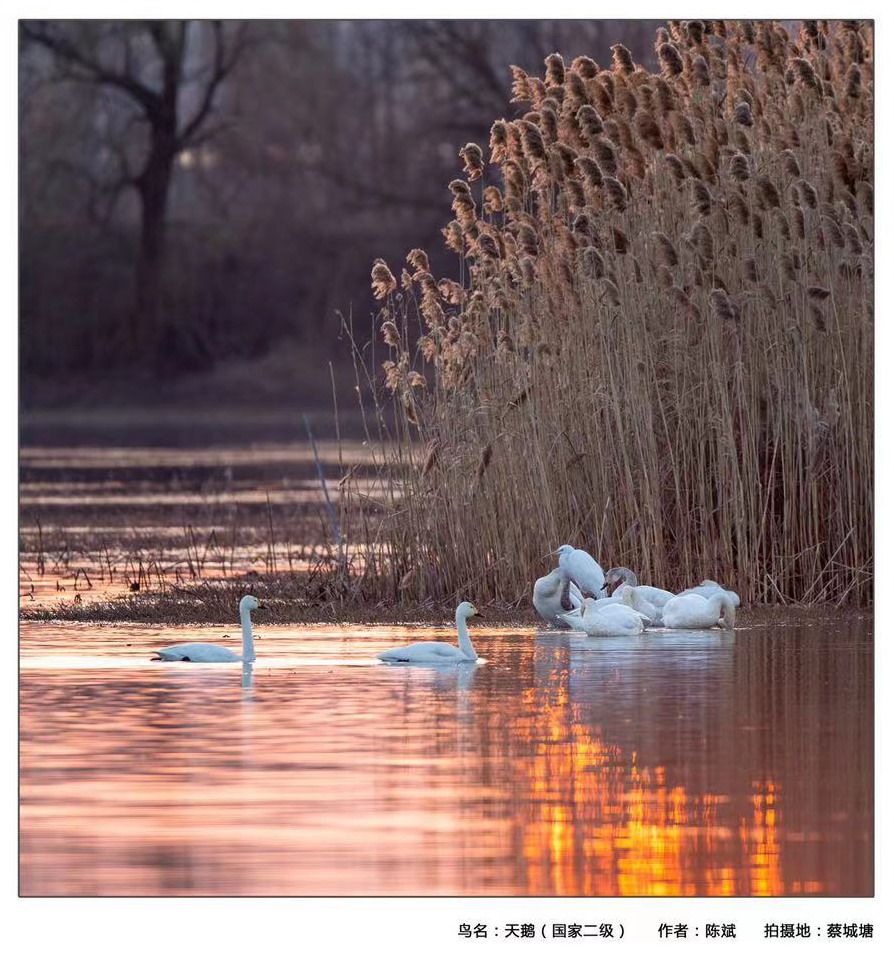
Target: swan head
{"points": [[249, 603], [467, 610], [615, 577], [729, 615], [563, 551]]}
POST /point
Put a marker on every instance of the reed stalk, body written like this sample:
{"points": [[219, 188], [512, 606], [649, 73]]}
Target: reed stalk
{"points": [[659, 342]]}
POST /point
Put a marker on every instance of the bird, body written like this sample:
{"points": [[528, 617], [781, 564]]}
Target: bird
{"points": [[709, 587], [609, 620], [616, 577], [439, 652], [696, 610], [214, 653], [593, 603], [583, 569], [633, 598], [554, 594]]}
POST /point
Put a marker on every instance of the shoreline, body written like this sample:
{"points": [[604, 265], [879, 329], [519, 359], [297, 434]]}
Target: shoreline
{"points": [[156, 609]]}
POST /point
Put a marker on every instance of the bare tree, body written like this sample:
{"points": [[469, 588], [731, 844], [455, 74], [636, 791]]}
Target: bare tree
{"points": [[168, 74]]}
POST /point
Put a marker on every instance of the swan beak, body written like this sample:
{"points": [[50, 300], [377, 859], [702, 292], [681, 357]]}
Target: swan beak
{"points": [[262, 607], [478, 614]]}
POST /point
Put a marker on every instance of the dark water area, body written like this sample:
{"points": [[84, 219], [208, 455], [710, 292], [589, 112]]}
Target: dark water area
{"points": [[183, 426], [673, 764]]}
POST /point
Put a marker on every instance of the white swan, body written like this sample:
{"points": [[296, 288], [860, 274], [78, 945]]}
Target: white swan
{"points": [[610, 620], [591, 603], [633, 597], [439, 652], [214, 653], [695, 610], [616, 577], [583, 569], [554, 594], [709, 587]]}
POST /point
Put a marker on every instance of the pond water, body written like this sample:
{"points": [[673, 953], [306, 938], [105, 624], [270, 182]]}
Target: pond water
{"points": [[700, 763]]}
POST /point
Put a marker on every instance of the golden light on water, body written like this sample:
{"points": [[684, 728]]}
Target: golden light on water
{"points": [[559, 767]]}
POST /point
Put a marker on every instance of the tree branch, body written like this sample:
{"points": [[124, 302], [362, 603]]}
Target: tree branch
{"points": [[41, 33], [222, 65]]}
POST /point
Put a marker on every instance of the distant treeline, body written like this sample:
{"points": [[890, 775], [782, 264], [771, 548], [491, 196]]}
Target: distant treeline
{"points": [[192, 190]]}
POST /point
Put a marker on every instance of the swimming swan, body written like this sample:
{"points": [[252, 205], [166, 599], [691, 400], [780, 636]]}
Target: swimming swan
{"points": [[214, 653], [695, 610], [439, 652], [583, 569], [609, 620], [555, 594]]}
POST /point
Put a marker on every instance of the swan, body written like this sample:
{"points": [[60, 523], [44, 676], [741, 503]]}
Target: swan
{"points": [[633, 598], [583, 569], [709, 587], [554, 594], [617, 577], [696, 610], [214, 653], [439, 652], [610, 620], [591, 603]]}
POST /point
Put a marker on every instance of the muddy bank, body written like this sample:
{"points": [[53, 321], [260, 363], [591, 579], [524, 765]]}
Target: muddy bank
{"points": [[297, 600]]}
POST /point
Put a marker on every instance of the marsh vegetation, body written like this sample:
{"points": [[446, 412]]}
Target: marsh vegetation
{"points": [[657, 341]]}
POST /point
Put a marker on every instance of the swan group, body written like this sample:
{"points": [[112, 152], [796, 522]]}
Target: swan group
{"points": [[578, 594], [423, 652]]}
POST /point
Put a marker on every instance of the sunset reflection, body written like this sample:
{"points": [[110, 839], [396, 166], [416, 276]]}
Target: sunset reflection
{"points": [[556, 768], [607, 826]]}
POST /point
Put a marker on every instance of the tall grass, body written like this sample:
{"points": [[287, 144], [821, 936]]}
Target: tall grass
{"points": [[658, 341]]}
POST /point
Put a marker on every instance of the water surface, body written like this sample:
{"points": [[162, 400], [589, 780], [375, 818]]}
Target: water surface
{"points": [[698, 763]]}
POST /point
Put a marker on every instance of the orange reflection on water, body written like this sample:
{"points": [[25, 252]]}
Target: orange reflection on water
{"points": [[608, 827], [560, 766]]}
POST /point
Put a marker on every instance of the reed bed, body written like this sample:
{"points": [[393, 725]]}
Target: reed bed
{"points": [[658, 340]]}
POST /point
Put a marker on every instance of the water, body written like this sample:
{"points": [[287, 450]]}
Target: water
{"points": [[672, 764]]}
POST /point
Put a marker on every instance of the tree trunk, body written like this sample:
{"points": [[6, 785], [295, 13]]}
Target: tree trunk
{"points": [[153, 187]]}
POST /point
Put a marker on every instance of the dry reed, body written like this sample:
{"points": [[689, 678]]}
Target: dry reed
{"points": [[678, 280]]}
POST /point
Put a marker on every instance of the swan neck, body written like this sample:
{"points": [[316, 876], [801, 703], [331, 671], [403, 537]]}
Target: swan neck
{"points": [[248, 640], [465, 641], [565, 593], [721, 602]]}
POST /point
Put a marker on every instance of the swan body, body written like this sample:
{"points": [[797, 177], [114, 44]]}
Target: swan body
{"points": [[657, 597], [591, 603], [610, 620], [709, 587], [438, 652], [555, 594], [696, 610], [633, 597], [583, 569], [196, 653], [618, 577]]}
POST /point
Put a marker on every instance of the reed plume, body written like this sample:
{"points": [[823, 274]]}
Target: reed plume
{"points": [[677, 274]]}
